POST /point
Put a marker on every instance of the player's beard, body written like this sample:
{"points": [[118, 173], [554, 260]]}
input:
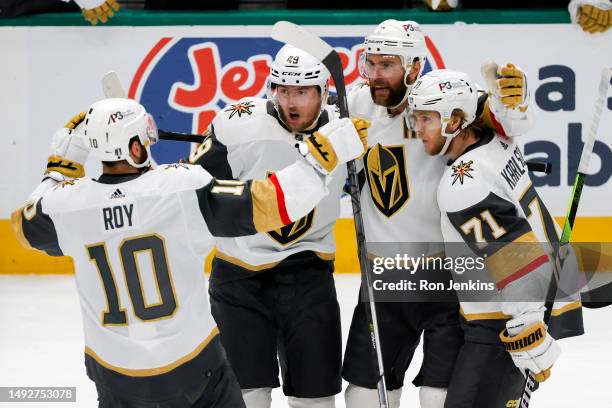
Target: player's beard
{"points": [[300, 119], [396, 92]]}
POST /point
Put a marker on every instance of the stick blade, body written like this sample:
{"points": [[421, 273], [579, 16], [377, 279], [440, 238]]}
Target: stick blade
{"points": [[293, 34], [111, 86]]}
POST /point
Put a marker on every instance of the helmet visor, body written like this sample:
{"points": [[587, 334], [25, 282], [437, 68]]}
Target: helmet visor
{"points": [[151, 131], [296, 96], [423, 121], [379, 66]]}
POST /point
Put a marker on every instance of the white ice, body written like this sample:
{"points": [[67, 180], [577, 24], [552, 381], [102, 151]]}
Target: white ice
{"points": [[41, 344]]}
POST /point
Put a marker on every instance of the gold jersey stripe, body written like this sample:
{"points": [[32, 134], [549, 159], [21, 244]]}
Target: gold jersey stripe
{"points": [[17, 224], [64, 166], [484, 315], [326, 256], [266, 214], [512, 258], [238, 262], [567, 308], [499, 315], [147, 372]]}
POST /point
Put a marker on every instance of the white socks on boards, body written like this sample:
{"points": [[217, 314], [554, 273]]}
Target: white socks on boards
{"points": [[257, 397], [359, 397], [324, 402], [262, 398], [431, 397]]}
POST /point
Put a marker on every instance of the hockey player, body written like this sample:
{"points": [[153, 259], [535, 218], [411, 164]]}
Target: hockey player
{"points": [[488, 202], [138, 238], [399, 206], [276, 289]]}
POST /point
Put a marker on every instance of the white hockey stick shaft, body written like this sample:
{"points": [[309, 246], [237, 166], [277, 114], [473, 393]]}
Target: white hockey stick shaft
{"points": [[111, 86]]}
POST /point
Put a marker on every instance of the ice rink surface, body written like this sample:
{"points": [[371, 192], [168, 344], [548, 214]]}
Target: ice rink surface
{"points": [[41, 344]]}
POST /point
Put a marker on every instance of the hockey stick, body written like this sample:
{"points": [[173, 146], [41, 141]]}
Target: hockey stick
{"points": [[297, 36], [112, 88], [583, 166]]}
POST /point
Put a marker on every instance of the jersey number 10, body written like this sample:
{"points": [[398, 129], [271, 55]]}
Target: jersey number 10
{"points": [[115, 314]]}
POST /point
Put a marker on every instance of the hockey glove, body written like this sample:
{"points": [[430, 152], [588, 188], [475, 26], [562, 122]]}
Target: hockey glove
{"points": [[104, 11], [530, 345], [336, 143], [593, 19], [442, 5], [511, 87], [68, 151]]}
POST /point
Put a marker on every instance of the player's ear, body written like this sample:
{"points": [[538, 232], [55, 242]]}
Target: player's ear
{"points": [[136, 149], [414, 72], [455, 123]]}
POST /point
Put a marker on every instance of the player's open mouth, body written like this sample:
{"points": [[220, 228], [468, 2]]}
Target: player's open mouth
{"points": [[293, 116], [381, 91]]}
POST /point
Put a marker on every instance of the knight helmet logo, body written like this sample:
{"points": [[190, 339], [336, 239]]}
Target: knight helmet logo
{"points": [[387, 178]]}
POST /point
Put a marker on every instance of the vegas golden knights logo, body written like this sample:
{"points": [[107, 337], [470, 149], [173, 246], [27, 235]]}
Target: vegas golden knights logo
{"points": [[295, 230], [387, 178]]}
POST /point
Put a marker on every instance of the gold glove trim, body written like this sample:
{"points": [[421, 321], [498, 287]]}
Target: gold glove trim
{"points": [[64, 166], [361, 126], [102, 13], [75, 121], [542, 375], [323, 152], [593, 19], [147, 372], [526, 340]]}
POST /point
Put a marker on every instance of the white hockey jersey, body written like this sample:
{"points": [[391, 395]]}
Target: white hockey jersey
{"points": [[139, 242], [487, 201], [247, 140], [399, 194], [398, 203]]}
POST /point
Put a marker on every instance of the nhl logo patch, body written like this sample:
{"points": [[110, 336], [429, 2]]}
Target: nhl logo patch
{"points": [[462, 170], [240, 109]]}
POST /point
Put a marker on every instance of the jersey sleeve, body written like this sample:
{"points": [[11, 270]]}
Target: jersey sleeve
{"points": [[494, 229], [35, 229], [235, 208], [216, 158], [507, 122]]}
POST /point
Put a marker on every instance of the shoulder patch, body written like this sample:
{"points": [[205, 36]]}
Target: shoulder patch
{"points": [[239, 109], [175, 166], [462, 171], [66, 183]]}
